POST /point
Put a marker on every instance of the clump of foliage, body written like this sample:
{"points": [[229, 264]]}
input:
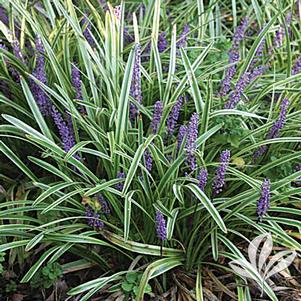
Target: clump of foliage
{"points": [[47, 276], [158, 136]]}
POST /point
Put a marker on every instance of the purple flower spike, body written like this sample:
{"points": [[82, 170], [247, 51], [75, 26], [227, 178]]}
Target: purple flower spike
{"points": [[219, 180], [297, 67], [117, 12], [158, 109], [240, 33], [127, 37], [133, 111], [4, 15], [263, 203], [104, 204], [93, 218], [17, 50], [183, 37], [174, 116], [298, 8], [161, 226], [66, 135], [119, 186], [76, 82], [39, 73], [259, 52], [192, 135], [202, 177], [135, 89], [181, 135], [233, 57], [279, 124], [162, 42], [275, 129], [280, 34], [85, 23], [148, 160], [18, 54], [243, 82], [235, 95], [104, 5], [77, 85]]}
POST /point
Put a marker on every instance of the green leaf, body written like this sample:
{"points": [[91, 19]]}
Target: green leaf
{"points": [[198, 101], [38, 264], [153, 270], [35, 110], [123, 104], [127, 287], [201, 196], [131, 277], [11, 155], [127, 214], [141, 248], [134, 165]]}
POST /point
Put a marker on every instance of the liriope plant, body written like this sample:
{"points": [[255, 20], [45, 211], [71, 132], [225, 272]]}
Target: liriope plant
{"points": [[142, 129]]}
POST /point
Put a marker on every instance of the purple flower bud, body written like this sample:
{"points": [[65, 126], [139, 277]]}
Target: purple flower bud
{"points": [[161, 226], [192, 135], [158, 109], [275, 129], [202, 177], [174, 116], [219, 180], [263, 203], [182, 133], [119, 186]]}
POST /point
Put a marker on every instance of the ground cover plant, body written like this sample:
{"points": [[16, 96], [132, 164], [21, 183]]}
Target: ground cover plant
{"points": [[144, 145]]}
